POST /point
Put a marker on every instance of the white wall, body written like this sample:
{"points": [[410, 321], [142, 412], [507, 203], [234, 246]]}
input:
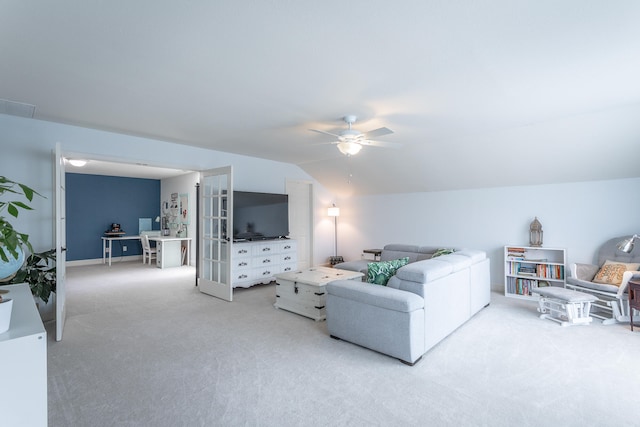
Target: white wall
{"points": [[578, 217], [26, 157]]}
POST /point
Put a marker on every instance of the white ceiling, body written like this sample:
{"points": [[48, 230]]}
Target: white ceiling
{"points": [[479, 93]]}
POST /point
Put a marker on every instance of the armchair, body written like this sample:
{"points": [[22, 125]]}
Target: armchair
{"points": [[613, 302]]}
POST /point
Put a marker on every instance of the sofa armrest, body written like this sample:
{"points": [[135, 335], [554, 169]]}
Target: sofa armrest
{"points": [[584, 272], [359, 266], [375, 295], [626, 276]]}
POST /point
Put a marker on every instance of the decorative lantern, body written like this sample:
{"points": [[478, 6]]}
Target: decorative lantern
{"points": [[535, 233]]}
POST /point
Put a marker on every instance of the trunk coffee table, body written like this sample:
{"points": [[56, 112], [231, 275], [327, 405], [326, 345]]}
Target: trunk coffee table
{"points": [[303, 292]]}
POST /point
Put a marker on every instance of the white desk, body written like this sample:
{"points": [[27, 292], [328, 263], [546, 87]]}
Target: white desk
{"points": [[169, 254], [170, 250], [107, 245]]}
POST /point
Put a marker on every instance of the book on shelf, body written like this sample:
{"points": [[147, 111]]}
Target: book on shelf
{"points": [[522, 286]]}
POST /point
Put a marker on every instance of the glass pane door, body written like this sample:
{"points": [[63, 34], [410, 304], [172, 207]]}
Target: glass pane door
{"points": [[216, 199]]}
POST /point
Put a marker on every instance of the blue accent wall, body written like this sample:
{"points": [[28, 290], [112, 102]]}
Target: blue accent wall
{"points": [[96, 201]]}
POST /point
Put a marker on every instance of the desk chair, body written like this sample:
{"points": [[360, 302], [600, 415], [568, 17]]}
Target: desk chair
{"points": [[147, 251]]}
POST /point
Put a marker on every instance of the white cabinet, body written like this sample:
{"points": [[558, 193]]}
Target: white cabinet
{"points": [[527, 268], [169, 253], [23, 354], [258, 262]]}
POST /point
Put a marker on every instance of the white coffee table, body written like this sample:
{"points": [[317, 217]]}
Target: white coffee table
{"points": [[303, 291]]}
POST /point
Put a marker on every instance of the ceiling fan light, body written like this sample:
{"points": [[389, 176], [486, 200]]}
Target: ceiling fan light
{"points": [[349, 148], [77, 162]]}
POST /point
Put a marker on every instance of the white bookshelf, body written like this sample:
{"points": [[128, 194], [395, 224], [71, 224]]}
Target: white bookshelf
{"points": [[527, 268]]}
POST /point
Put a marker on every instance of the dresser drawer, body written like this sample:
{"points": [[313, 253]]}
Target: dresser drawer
{"points": [[287, 268], [241, 250], [265, 249]]}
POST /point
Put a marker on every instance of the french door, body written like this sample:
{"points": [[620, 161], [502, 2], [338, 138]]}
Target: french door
{"points": [[216, 230], [61, 241]]}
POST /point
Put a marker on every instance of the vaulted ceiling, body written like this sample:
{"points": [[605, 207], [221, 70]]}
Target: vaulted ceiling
{"points": [[479, 93]]}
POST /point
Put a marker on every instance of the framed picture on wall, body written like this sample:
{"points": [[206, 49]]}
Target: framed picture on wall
{"points": [[184, 208]]}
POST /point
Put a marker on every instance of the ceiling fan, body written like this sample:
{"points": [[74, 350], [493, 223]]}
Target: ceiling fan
{"points": [[351, 141]]}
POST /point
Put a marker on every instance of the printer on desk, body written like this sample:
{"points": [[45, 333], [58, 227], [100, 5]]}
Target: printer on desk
{"points": [[115, 230]]}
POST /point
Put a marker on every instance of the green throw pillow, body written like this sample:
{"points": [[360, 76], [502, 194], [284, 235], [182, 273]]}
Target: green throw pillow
{"points": [[442, 251], [379, 273]]}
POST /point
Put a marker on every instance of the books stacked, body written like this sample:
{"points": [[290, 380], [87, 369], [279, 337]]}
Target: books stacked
{"points": [[515, 253]]}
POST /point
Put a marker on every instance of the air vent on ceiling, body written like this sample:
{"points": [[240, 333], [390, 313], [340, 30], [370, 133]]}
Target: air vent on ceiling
{"points": [[17, 108]]}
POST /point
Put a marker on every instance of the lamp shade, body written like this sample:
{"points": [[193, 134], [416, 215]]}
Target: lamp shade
{"points": [[333, 211], [349, 148], [627, 245]]}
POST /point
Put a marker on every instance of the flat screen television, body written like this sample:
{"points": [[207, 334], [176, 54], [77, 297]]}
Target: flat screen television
{"points": [[260, 216]]}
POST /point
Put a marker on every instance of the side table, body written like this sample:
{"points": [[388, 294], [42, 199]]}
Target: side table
{"points": [[634, 298], [375, 252]]}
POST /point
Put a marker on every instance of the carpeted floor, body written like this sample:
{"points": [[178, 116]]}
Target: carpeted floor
{"points": [[143, 347]]}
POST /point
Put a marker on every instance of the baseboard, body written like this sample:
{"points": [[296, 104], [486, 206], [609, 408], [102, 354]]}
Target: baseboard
{"points": [[95, 261]]}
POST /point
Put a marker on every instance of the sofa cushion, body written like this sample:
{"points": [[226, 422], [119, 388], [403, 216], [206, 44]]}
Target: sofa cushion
{"points": [[359, 265], [591, 285], [397, 251], [475, 254], [458, 262], [379, 273], [611, 272], [378, 296], [424, 271]]}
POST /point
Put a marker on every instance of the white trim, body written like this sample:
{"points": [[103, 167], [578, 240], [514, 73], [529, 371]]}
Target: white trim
{"points": [[94, 261]]}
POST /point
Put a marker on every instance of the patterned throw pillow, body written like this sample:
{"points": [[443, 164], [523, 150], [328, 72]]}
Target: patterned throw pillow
{"points": [[612, 271], [379, 273], [443, 251]]}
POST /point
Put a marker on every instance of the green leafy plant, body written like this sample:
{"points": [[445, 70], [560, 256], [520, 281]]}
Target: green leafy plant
{"points": [[10, 239], [39, 271]]}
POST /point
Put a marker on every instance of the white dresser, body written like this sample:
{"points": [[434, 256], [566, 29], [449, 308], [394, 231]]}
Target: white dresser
{"points": [[258, 262], [23, 357]]}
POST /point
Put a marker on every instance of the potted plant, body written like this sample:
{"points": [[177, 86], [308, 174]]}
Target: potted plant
{"points": [[11, 240], [39, 271]]}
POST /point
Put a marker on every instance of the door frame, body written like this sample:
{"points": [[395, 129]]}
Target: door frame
{"points": [[60, 240]]}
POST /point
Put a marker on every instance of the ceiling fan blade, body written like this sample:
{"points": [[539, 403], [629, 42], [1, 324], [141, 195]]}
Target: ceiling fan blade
{"points": [[326, 133], [385, 144], [377, 132]]}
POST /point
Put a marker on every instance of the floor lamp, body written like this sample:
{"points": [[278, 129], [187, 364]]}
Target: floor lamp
{"points": [[335, 213]]}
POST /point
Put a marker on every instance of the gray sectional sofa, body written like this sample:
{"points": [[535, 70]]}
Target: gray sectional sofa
{"points": [[391, 252], [423, 303]]}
